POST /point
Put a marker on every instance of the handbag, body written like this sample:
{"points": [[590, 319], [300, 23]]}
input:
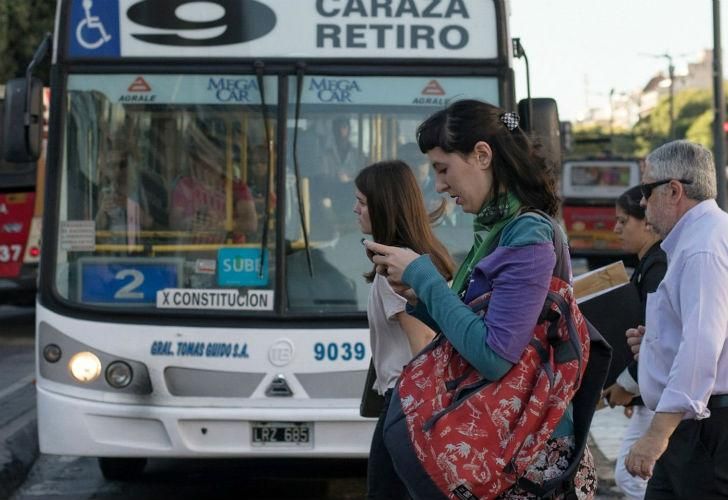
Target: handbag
{"points": [[372, 403]]}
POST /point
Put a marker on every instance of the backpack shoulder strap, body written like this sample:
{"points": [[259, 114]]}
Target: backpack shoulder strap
{"points": [[562, 269]]}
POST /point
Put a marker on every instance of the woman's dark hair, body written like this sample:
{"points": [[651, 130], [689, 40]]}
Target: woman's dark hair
{"points": [[629, 201], [397, 212], [518, 163]]}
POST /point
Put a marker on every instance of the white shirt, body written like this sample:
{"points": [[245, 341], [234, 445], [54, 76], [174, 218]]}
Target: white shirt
{"points": [[684, 354], [390, 347]]}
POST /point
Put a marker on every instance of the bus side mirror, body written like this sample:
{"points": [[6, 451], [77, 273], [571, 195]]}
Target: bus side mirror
{"points": [[23, 127], [544, 125]]}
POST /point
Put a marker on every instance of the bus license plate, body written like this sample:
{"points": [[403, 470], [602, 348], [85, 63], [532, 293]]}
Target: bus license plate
{"points": [[282, 434]]}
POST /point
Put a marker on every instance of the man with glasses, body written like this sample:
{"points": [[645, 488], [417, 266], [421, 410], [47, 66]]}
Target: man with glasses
{"points": [[683, 368]]}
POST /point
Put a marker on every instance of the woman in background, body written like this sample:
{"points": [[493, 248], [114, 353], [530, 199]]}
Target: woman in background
{"points": [[637, 237], [390, 207]]}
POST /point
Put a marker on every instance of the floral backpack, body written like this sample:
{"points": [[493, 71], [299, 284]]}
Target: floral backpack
{"points": [[454, 434]]}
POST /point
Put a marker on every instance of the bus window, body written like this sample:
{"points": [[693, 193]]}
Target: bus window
{"points": [[161, 178], [345, 124], [590, 189]]}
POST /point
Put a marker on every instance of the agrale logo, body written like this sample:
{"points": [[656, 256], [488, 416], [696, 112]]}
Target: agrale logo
{"points": [[139, 89], [433, 88], [139, 85], [434, 94]]}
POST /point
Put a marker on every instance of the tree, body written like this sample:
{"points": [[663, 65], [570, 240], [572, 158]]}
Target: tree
{"points": [[596, 141], [23, 23], [690, 108], [701, 131], [693, 121]]}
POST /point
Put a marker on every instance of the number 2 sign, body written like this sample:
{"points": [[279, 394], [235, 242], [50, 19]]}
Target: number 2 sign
{"points": [[126, 280]]}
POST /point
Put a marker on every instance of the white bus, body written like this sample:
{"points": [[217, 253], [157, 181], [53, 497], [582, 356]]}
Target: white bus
{"points": [[201, 291]]}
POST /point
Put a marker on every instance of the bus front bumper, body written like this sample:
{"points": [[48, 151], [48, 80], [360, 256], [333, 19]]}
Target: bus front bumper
{"points": [[72, 426]]}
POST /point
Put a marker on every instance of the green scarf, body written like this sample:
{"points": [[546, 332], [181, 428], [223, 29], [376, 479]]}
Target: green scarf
{"points": [[487, 225]]}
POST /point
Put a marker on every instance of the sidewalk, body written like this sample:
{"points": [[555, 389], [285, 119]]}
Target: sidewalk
{"points": [[606, 433]]}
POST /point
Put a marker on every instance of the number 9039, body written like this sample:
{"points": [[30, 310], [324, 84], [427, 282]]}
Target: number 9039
{"points": [[345, 351]]}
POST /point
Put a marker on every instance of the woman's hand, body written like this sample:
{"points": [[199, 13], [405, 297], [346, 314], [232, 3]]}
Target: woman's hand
{"points": [[616, 395], [394, 260]]}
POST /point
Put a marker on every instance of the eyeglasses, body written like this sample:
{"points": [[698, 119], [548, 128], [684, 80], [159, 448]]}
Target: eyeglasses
{"points": [[649, 187]]}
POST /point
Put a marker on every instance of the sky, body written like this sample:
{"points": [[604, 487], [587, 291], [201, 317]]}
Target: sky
{"points": [[580, 49]]}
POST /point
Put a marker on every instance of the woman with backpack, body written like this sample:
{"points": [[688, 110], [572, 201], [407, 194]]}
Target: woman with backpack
{"points": [[639, 238], [486, 162], [390, 207]]}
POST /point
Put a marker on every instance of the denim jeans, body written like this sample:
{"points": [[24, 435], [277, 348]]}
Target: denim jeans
{"points": [[383, 483]]}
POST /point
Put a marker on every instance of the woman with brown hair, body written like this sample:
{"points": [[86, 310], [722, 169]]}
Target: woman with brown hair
{"points": [[390, 207], [489, 166]]}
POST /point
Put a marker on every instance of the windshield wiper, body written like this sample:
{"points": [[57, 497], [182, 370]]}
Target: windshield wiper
{"points": [[296, 169], [269, 145]]}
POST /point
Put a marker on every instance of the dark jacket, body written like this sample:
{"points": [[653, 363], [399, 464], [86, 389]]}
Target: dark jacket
{"points": [[649, 273], [647, 277]]}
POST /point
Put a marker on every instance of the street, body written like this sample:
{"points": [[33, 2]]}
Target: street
{"points": [[17, 396], [76, 478]]}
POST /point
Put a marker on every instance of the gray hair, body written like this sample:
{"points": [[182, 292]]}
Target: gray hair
{"points": [[686, 160]]}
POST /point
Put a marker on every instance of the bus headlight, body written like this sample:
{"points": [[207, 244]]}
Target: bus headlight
{"points": [[119, 374], [85, 366]]}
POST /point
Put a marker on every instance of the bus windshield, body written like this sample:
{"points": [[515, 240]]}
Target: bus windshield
{"points": [[168, 182]]}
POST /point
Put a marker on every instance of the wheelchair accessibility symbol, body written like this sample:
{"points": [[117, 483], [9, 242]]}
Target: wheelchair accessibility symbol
{"points": [[90, 32]]}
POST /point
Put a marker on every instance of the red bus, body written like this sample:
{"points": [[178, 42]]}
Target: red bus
{"points": [[21, 210], [590, 189]]}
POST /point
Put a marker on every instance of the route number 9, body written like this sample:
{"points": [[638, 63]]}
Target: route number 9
{"points": [[213, 22]]}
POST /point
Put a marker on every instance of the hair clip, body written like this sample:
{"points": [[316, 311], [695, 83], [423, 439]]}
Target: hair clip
{"points": [[510, 120]]}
